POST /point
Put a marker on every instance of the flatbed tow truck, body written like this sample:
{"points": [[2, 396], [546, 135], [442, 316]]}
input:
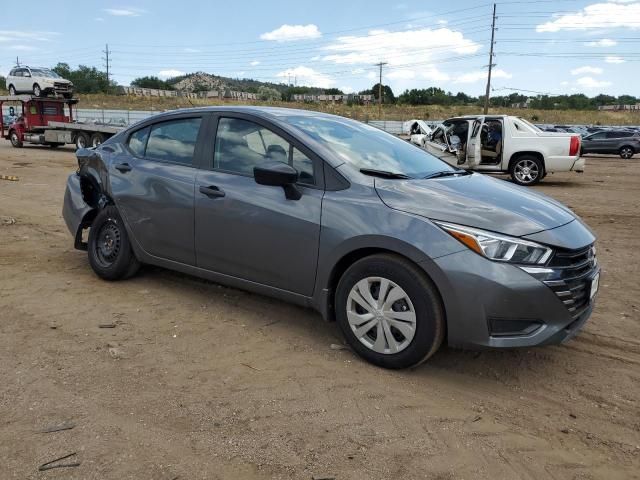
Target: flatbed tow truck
{"points": [[43, 121]]}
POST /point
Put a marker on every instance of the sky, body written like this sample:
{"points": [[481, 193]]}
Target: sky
{"points": [[544, 46]]}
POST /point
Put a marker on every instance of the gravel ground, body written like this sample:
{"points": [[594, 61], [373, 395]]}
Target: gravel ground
{"points": [[198, 381]]}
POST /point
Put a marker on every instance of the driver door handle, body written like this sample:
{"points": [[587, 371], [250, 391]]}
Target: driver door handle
{"points": [[123, 167], [211, 191]]}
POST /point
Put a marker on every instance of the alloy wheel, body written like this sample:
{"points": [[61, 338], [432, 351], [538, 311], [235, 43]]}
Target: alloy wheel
{"points": [[381, 315], [527, 171], [626, 153]]}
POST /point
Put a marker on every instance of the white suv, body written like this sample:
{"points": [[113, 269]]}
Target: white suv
{"points": [[39, 81]]}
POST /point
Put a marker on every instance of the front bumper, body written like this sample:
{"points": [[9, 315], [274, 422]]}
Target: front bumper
{"points": [[492, 304]]}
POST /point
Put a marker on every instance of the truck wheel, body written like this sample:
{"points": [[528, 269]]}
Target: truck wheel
{"points": [[81, 140], [97, 139], [626, 152], [526, 170], [68, 96], [37, 91], [15, 139], [12, 90]]}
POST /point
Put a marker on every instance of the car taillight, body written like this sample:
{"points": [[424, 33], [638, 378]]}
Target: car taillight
{"points": [[574, 146]]}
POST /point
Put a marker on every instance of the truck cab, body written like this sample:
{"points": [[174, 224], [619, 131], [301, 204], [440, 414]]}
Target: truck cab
{"points": [[505, 144]]}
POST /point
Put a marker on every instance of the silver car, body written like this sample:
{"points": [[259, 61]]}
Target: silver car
{"points": [[400, 248]]}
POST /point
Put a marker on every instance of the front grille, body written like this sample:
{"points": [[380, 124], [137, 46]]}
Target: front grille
{"points": [[574, 270], [61, 86]]}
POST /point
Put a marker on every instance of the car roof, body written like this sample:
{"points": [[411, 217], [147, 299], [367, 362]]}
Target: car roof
{"points": [[273, 113]]}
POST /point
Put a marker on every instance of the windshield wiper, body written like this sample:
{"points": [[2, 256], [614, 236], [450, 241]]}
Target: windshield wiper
{"points": [[447, 173], [383, 173]]}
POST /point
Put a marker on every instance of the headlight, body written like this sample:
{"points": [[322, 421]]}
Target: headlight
{"points": [[498, 247]]}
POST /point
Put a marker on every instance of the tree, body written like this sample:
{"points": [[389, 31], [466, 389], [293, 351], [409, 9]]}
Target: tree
{"points": [[85, 79], [152, 82], [3, 83], [269, 94], [387, 93], [333, 91]]}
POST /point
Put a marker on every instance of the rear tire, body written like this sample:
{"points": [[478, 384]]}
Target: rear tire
{"points": [[109, 249], [526, 170], [81, 140], [12, 90], [626, 152], [97, 139], [387, 295], [37, 91]]}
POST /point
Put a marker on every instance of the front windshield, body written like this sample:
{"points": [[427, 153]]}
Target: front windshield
{"points": [[366, 147], [43, 72]]}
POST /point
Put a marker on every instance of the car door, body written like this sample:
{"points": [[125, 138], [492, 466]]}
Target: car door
{"points": [[594, 143], [252, 231], [20, 80], [152, 179], [437, 145], [474, 144]]}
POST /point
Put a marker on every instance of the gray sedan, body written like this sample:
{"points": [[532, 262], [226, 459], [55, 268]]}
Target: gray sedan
{"points": [[401, 249]]}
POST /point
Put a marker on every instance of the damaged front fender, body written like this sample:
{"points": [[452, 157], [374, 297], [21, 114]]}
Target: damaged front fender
{"points": [[77, 214]]}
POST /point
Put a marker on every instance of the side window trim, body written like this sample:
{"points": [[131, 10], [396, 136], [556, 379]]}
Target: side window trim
{"points": [[318, 162], [146, 127]]}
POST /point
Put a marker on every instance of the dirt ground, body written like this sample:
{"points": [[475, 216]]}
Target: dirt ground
{"points": [[198, 381]]}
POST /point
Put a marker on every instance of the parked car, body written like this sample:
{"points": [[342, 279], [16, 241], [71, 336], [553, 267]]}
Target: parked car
{"points": [[402, 249], [38, 81], [418, 131], [505, 144], [625, 143]]}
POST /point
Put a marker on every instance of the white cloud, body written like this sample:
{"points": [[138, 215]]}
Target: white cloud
{"points": [[287, 33], [307, 76], [124, 12], [597, 15], [564, 83], [347, 89], [481, 75], [442, 22], [22, 48], [605, 42], [587, 69], [192, 50], [13, 35], [422, 48], [254, 63], [357, 71], [170, 73], [99, 19], [590, 82], [614, 59]]}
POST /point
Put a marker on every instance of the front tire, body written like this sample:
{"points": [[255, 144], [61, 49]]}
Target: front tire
{"points": [[12, 90], [109, 249], [626, 152], [526, 170], [15, 140], [389, 311]]}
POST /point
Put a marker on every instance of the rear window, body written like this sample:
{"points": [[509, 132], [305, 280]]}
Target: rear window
{"points": [[174, 141], [619, 134], [138, 141]]}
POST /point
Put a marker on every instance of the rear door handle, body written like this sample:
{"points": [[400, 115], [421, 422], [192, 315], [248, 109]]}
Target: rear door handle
{"points": [[123, 167], [211, 191]]}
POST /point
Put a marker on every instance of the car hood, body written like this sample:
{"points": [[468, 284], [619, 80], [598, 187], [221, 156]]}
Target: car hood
{"points": [[476, 201]]}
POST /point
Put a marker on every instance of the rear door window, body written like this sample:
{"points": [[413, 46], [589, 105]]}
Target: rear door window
{"points": [[174, 140], [137, 142], [619, 134]]}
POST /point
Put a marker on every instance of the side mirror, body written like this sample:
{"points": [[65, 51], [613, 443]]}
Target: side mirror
{"points": [[278, 174]]}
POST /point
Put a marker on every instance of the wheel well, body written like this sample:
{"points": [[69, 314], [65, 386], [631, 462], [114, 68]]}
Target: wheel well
{"points": [[518, 155], [627, 146], [349, 259]]}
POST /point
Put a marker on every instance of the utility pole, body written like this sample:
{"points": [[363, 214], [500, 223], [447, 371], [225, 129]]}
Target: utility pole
{"points": [[17, 62], [491, 64], [381, 64], [107, 64]]}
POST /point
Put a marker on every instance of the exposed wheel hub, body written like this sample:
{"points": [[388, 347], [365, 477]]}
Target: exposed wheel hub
{"points": [[108, 244]]}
